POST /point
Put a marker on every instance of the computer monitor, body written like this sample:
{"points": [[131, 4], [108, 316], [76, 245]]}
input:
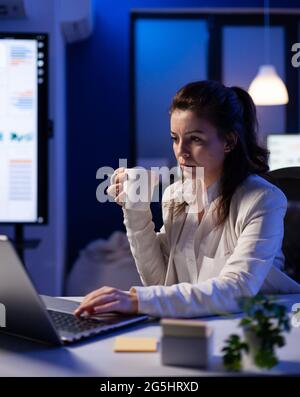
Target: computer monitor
{"points": [[284, 150], [23, 128]]}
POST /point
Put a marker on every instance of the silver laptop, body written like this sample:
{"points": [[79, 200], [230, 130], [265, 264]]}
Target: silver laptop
{"points": [[44, 318]]}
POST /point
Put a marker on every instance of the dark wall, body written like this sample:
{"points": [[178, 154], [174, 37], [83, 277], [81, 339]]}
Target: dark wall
{"points": [[98, 119]]}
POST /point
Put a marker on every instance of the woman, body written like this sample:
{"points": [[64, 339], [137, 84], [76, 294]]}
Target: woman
{"points": [[200, 263]]}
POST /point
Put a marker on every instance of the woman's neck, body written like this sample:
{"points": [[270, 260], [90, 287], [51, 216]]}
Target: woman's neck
{"points": [[210, 180]]}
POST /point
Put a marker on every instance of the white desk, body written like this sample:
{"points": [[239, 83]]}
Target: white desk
{"points": [[95, 357]]}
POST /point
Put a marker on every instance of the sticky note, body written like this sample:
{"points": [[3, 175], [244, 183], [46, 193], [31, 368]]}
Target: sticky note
{"points": [[135, 344]]}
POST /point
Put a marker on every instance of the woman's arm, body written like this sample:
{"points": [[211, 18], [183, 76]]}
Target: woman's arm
{"points": [[243, 274], [149, 249]]}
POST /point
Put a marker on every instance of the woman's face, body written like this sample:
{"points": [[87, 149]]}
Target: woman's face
{"points": [[196, 143]]}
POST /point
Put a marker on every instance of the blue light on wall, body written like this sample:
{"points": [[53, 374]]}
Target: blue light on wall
{"points": [[168, 54]]}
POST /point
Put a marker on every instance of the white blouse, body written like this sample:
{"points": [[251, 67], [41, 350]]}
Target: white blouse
{"points": [[185, 257], [198, 242], [191, 270]]}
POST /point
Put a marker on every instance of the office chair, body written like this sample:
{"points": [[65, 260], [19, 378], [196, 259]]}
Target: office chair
{"points": [[288, 180]]}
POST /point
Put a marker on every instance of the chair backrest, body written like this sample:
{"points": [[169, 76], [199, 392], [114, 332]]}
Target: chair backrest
{"points": [[288, 180]]}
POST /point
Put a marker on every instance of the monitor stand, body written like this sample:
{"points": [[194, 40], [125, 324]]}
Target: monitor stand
{"points": [[21, 244]]}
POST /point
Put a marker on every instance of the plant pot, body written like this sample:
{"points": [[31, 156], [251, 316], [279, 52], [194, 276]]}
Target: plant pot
{"points": [[269, 359], [254, 344]]}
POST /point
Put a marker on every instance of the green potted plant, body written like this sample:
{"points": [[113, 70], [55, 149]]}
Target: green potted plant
{"points": [[263, 324]]}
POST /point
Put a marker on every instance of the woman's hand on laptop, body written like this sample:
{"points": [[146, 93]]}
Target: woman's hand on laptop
{"points": [[108, 299]]}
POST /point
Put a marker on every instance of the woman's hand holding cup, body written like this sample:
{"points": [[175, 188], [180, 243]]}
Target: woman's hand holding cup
{"points": [[133, 188]]}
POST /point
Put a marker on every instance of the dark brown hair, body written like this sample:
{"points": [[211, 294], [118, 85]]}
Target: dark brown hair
{"points": [[229, 109]]}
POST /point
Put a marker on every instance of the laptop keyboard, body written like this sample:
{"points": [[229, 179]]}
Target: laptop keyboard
{"points": [[70, 323]]}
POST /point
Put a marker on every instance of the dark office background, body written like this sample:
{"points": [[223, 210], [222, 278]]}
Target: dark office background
{"points": [[98, 110]]}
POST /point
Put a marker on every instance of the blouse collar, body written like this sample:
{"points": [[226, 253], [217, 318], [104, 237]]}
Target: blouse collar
{"points": [[182, 192]]}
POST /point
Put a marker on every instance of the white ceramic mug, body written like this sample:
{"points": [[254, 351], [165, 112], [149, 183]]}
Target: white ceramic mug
{"points": [[138, 188]]}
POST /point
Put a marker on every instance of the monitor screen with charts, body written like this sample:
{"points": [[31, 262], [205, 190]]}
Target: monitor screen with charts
{"points": [[23, 128], [284, 150]]}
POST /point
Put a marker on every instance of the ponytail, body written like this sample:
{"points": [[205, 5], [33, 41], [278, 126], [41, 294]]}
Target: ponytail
{"points": [[248, 109], [258, 156]]}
